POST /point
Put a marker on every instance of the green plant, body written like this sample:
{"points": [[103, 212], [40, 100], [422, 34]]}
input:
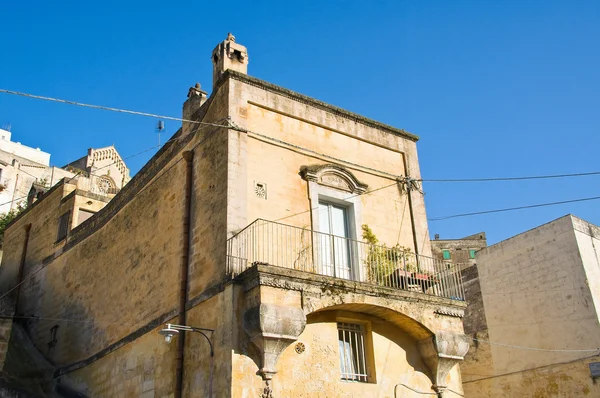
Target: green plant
{"points": [[7, 218], [382, 261]]}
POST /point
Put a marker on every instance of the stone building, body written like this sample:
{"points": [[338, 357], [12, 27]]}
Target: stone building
{"points": [[539, 305], [458, 251], [20, 167], [25, 172], [248, 227]]}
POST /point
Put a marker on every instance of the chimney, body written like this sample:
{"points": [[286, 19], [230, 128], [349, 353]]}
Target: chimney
{"points": [[229, 55], [437, 236], [196, 98]]}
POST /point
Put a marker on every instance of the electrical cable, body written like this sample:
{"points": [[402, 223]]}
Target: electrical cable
{"points": [[512, 178], [156, 178], [487, 377], [534, 348], [105, 108], [513, 208], [349, 197], [120, 110]]}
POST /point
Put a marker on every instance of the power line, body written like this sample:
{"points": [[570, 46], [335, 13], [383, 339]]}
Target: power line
{"points": [[349, 197], [512, 178], [487, 377], [153, 115], [156, 178], [520, 347], [125, 158], [153, 147], [513, 208], [104, 108]]}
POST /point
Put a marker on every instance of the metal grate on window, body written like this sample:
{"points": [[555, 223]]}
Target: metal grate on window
{"points": [[351, 341]]}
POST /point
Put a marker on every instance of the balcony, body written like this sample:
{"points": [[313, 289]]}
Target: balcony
{"points": [[271, 243]]}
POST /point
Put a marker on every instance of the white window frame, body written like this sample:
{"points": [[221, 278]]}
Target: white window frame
{"points": [[352, 350], [353, 205]]}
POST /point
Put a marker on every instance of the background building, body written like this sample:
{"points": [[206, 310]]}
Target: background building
{"points": [[25, 172], [458, 251], [540, 306], [251, 222]]}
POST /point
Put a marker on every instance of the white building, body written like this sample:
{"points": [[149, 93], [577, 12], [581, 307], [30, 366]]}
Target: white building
{"points": [[25, 172]]}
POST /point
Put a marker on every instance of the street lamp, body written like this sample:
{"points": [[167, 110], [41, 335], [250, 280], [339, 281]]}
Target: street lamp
{"points": [[172, 330]]}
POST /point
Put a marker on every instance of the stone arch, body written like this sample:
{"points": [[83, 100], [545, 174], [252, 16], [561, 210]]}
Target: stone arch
{"points": [[439, 347], [333, 176], [403, 322]]}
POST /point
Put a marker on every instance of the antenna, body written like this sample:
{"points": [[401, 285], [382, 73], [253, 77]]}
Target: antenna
{"points": [[160, 126]]}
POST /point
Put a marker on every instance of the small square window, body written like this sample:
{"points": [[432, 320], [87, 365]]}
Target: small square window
{"points": [[446, 254], [353, 358], [472, 253]]}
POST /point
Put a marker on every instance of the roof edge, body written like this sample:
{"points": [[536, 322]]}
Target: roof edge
{"points": [[229, 73]]}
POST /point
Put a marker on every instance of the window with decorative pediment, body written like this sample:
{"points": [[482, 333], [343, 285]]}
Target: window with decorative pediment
{"points": [[336, 218], [333, 176]]}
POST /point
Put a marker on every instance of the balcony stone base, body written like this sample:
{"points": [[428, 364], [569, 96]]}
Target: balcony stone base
{"points": [[277, 301]]}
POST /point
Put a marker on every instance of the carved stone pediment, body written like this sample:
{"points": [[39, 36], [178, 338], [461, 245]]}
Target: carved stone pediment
{"points": [[333, 176]]}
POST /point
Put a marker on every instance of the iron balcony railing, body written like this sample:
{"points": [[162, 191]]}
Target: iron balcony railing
{"points": [[268, 242]]}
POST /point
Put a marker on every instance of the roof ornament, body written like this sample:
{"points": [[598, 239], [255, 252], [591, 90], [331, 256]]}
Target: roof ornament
{"points": [[230, 37], [193, 91]]}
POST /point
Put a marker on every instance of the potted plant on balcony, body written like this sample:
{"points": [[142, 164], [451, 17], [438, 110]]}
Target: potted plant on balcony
{"points": [[388, 266]]}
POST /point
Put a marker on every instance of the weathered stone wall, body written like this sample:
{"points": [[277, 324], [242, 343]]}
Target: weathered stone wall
{"points": [[144, 368], [536, 293], [288, 131], [569, 379], [115, 280], [117, 276], [474, 320], [398, 320]]}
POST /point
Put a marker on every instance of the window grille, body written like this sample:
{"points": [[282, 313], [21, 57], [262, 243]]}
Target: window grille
{"points": [[351, 341]]}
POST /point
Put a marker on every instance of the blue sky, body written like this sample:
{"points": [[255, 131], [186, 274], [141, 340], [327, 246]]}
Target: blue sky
{"points": [[493, 88]]}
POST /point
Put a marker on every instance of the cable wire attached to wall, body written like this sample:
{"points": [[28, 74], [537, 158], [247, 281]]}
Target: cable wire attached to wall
{"points": [[513, 208]]}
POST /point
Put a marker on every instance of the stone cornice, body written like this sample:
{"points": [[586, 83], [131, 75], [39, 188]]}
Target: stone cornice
{"points": [[314, 103], [268, 275]]}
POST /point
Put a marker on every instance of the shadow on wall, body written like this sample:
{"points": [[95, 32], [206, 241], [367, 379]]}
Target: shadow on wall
{"points": [[380, 328]]}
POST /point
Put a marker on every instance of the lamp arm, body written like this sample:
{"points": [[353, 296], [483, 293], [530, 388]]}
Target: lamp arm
{"points": [[197, 330], [201, 331]]}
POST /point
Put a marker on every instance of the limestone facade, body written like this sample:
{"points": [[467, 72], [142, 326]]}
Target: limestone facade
{"points": [[540, 293], [25, 172], [296, 311]]}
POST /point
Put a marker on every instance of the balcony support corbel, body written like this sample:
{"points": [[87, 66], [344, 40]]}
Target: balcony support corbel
{"points": [[440, 353], [272, 328]]}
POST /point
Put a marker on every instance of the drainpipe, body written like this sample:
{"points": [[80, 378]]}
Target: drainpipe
{"points": [[22, 265], [408, 186], [183, 271]]}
